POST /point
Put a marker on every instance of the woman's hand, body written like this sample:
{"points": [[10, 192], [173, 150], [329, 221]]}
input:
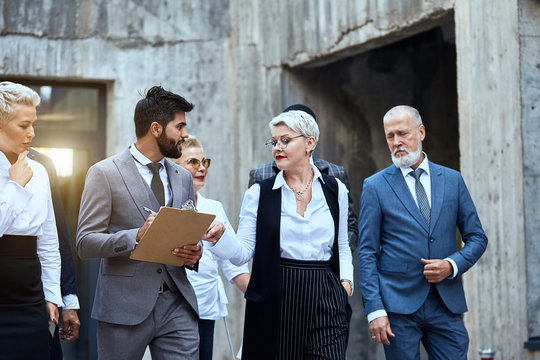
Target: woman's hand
{"points": [[20, 171], [214, 232], [347, 287], [52, 310]]}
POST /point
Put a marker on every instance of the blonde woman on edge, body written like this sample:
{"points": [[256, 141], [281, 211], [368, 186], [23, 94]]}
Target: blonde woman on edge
{"points": [[29, 255]]}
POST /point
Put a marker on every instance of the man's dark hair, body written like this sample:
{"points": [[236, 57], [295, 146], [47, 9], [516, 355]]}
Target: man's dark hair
{"points": [[160, 106], [301, 107]]}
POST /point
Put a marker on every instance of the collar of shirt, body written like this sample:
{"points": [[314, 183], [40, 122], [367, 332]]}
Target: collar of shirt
{"points": [[280, 179], [423, 165], [4, 162], [141, 161], [141, 158]]}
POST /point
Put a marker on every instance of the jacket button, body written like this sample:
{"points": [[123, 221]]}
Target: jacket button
{"points": [[431, 239], [159, 271]]}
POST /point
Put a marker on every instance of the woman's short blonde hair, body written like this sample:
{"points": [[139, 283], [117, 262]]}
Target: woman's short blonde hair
{"points": [[191, 142], [12, 94]]}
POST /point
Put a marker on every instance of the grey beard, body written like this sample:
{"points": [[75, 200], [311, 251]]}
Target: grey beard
{"points": [[405, 162]]}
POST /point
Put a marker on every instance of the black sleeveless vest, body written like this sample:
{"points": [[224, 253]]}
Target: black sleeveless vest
{"points": [[263, 295]]}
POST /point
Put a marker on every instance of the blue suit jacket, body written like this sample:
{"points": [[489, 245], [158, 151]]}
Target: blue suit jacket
{"points": [[394, 237]]}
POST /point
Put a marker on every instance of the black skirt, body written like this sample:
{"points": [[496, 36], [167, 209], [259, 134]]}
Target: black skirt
{"points": [[23, 316]]}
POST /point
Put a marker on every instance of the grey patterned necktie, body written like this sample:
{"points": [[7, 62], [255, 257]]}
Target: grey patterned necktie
{"points": [[421, 196], [156, 184]]}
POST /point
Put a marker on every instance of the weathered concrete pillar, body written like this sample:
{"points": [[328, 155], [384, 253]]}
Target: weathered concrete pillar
{"points": [[529, 35], [490, 117]]}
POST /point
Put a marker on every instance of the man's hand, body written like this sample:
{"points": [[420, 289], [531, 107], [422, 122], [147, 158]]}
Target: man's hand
{"points": [[52, 310], [189, 253], [70, 330], [379, 329], [20, 171], [437, 270], [145, 227], [214, 232]]}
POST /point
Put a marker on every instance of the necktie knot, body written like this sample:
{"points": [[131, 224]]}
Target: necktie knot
{"points": [[154, 167], [417, 173]]}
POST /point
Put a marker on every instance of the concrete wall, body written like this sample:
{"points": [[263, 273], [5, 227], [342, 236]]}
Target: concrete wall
{"points": [[529, 37], [491, 105]]}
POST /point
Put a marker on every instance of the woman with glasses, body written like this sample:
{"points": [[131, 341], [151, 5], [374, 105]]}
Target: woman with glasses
{"points": [[29, 256], [206, 281], [294, 226]]}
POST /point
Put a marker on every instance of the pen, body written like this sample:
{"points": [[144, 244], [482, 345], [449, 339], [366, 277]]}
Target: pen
{"points": [[150, 211]]}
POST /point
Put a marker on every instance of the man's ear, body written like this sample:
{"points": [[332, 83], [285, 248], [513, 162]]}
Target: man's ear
{"points": [[156, 129]]}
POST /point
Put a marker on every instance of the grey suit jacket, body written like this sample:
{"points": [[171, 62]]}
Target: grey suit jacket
{"points": [[111, 214], [270, 169]]}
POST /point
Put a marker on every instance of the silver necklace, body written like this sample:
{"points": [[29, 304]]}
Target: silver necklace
{"points": [[300, 193]]}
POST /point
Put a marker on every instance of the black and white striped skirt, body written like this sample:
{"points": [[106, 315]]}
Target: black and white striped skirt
{"points": [[315, 313]]}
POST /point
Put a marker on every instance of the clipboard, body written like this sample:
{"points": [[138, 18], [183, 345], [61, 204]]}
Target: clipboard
{"points": [[170, 229]]}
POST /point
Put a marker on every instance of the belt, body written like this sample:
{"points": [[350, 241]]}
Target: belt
{"points": [[432, 289], [164, 287]]}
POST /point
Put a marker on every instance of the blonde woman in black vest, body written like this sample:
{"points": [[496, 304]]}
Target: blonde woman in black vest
{"points": [[294, 226]]}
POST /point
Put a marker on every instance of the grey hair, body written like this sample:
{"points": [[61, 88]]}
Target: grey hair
{"points": [[298, 121], [414, 115], [12, 94]]}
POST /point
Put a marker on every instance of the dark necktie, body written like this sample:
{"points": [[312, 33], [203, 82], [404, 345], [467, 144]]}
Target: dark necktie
{"points": [[421, 196], [157, 185]]}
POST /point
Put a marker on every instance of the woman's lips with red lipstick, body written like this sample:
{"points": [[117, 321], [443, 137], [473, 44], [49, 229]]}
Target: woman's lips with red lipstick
{"points": [[279, 157]]}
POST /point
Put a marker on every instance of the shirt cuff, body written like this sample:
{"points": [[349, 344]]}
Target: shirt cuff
{"points": [[71, 302], [454, 267], [375, 315]]}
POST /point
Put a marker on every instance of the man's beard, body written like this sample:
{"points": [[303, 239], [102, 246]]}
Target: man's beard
{"points": [[407, 161], [168, 147]]}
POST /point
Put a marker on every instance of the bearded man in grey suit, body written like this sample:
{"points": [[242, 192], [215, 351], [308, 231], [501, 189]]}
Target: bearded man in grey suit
{"points": [[139, 304], [270, 169]]}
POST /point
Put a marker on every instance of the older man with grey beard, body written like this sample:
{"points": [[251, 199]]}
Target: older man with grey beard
{"points": [[410, 270]]}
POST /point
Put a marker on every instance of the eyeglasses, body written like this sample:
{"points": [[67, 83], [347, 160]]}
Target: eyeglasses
{"points": [[281, 143], [196, 163]]}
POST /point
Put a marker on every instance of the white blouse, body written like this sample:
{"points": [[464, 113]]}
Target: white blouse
{"points": [[302, 238], [28, 211], [207, 282]]}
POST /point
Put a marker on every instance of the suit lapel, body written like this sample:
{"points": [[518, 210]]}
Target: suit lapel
{"points": [[437, 192], [135, 183], [176, 184], [395, 179]]}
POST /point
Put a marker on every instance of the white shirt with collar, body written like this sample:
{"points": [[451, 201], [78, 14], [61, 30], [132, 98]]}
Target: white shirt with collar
{"points": [[28, 211], [308, 237], [207, 283], [142, 161], [425, 180]]}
